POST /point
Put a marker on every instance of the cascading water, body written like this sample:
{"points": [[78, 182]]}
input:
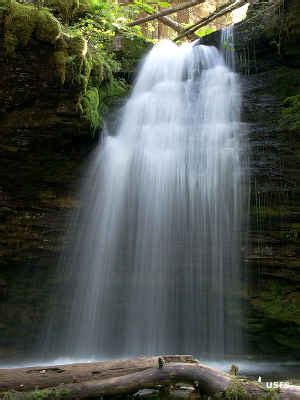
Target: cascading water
{"points": [[227, 46], [155, 265]]}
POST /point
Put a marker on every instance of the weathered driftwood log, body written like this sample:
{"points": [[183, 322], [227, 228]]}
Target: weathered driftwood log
{"points": [[42, 377], [207, 381]]}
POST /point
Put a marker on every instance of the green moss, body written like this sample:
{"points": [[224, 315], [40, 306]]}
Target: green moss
{"points": [[277, 301], [60, 59], [65, 8], [4, 4], [48, 28], [23, 21], [77, 45], [89, 106], [290, 115], [45, 394], [69, 59], [91, 69], [100, 88], [275, 212], [19, 25]]}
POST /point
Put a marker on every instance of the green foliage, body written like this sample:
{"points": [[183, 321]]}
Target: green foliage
{"points": [[65, 8], [89, 106], [19, 25], [271, 394], [95, 102], [236, 391], [205, 30], [290, 115], [84, 35], [4, 4], [102, 23]]}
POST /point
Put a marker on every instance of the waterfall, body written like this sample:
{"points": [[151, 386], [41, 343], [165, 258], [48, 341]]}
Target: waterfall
{"points": [[227, 46], [155, 265]]}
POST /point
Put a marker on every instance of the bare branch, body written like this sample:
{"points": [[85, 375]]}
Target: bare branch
{"points": [[219, 12], [165, 12]]}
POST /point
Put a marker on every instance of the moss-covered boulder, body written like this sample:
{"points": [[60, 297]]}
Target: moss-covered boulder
{"points": [[79, 66]]}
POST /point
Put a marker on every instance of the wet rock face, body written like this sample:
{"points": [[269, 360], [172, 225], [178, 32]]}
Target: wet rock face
{"points": [[270, 35], [33, 101], [273, 261], [3, 288], [270, 76], [43, 143], [268, 59]]}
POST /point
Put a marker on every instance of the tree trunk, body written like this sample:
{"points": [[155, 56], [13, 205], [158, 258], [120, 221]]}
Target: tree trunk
{"points": [[172, 24], [177, 27], [207, 381], [43, 377], [162, 30]]}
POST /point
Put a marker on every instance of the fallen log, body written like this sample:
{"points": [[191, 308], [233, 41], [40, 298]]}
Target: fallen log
{"points": [[166, 12], [207, 381], [219, 12], [171, 24], [176, 27], [48, 376]]}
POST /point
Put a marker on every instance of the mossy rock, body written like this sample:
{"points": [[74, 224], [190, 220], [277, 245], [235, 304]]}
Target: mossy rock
{"points": [[48, 29], [77, 45], [60, 59], [290, 114], [24, 21], [4, 4], [19, 25], [90, 71], [69, 59], [65, 8]]}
